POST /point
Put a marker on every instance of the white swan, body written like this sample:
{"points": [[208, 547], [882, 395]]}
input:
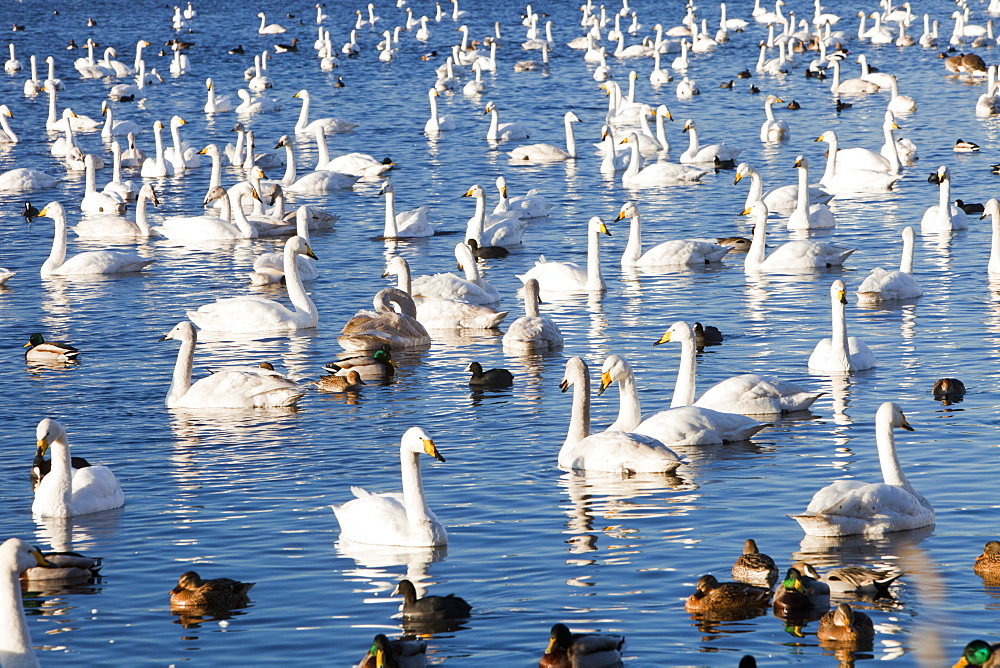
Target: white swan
{"points": [[852, 507], [682, 423], [25, 179], [943, 216], [249, 106], [180, 156], [900, 104], [369, 330], [992, 209], [849, 86], [116, 186], [666, 253], [225, 388], [436, 124], [113, 128], [473, 289], [548, 152], [157, 167], [687, 88], [527, 206], [839, 179], [410, 224], [68, 492], [532, 332], [314, 182], [250, 313], [697, 153], [329, 124], [571, 276], [12, 64], [269, 268], [16, 556], [746, 394], [504, 229], [863, 158], [841, 353], [658, 173], [34, 85], [355, 164], [396, 519], [882, 285], [90, 262], [503, 131], [216, 104], [51, 81], [793, 255], [614, 451], [268, 28], [199, 229], [808, 216], [95, 201], [102, 227], [773, 129], [443, 313]]}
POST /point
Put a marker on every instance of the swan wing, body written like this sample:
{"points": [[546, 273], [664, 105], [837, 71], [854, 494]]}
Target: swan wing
{"points": [[683, 252], [619, 451], [103, 262], [693, 425], [95, 488]]}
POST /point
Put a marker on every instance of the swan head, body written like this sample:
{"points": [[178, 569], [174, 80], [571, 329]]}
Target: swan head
{"points": [[743, 169], [571, 117], [614, 368], [773, 99], [576, 368], [631, 138], [300, 246], [679, 331], [758, 208], [801, 161], [597, 226], [302, 94], [501, 186], [395, 266], [182, 331], [689, 125], [940, 176], [628, 210], [476, 191], [216, 192], [149, 193], [47, 432], [19, 556], [828, 136], [211, 150], [177, 121], [53, 210], [208, 84], [838, 292], [991, 208], [663, 111], [417, 441], [891, 413]]}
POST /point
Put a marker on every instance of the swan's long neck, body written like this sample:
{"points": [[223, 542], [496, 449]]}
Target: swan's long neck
{"points": [[56, 494], [58, 253], [684, 387], [890, 141], [476, 225], [52, 70], [629, 412], [756, 254], [296, 291], [175, 135], [885, 441], [289, 177], [944, 200], [403, 280], [831, 159], [303, 121], [836, 73], [579, 417], [693, 141], [594, 279], [116, 169], [91, 178], [769, 112], [994, 265], [838, 335], [802, 194], [140, 216], [634, 160], [756, 191], [633, 249], [661, 132], [570, 138], [15, 640], [160, 157], [434, 110], [181, 381], [494, 124], [53, 118], [321, 149], [215, 179], [906, 263], [391, 229], [244, 226], [761, 57], [413, 492], [257, 204]]}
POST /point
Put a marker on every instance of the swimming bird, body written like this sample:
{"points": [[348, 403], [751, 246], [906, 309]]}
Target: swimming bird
{"points": [[845, 625], [390, 653], [581, 649], [430, 607], [40, 350], [754, 567], [333, 383], [375, 366], [841, 353], [980, 654], [16, 557], [726, 599], [215, 594], [491, 378]]}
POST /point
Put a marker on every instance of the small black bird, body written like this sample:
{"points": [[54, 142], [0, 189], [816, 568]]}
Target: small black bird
{"points": [[727, 84], [339, 83], [431, 607], [486, 252], [794, 106], [745, 74], [238, 49], [843, 105], [754, 90], [30, 212], [971, 207], [491, 378]]}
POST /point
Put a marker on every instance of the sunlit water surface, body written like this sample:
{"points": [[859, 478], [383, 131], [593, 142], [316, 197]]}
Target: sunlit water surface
{"points": [[247, 495]]}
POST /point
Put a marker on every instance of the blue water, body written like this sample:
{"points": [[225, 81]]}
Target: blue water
{"points": [[246, 495]]}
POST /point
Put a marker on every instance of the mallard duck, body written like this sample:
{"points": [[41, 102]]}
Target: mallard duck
{"points": [[41, 467], [333, 383], [754, 567], [845, 625], [949, 389], [64, 566], [430, 607], [491, 378], [714, 597], [39, 350], [988, 563], [980, 653], [738, 244], [581, 649], [799, 593], [962, 146], [193, 592], [376, 366], [861, 581], [385, 653]]}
